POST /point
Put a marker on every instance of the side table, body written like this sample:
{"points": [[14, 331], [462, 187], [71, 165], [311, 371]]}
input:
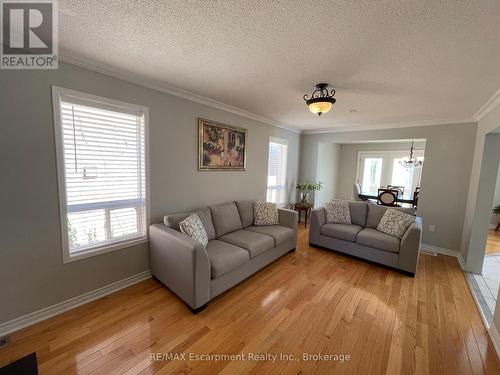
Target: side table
{"points": [[299, 207]]}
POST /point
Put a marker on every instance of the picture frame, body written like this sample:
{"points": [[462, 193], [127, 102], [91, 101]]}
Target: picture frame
{"points": [[221, 147]]}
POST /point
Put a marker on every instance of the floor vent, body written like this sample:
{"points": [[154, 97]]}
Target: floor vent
{"points": [[3, 341]]}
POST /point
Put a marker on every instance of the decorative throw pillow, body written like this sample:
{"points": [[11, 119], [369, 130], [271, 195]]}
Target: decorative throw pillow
{"points": [[395, 223], [338, 212], [193, 227], [265, 213]]}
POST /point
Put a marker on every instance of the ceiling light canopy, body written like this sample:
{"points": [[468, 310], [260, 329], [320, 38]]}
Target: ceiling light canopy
{"points": [[321, 101]]}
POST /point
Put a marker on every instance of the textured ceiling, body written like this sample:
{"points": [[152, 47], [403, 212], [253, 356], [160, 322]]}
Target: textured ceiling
{"points": [[395, 62]]}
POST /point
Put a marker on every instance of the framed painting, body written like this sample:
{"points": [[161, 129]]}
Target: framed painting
{"points": [[221, 147]]}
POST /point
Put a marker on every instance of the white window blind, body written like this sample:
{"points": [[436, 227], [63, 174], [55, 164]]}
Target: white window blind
{"points": [[103, 171], [276, 171]]}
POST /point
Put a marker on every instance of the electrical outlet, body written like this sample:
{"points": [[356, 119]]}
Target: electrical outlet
{"points": [[3, 341], [432, 228]]}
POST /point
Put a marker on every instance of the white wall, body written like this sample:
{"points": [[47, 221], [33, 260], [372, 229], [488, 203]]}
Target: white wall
{"points": [[32, 275], [445, 177]]}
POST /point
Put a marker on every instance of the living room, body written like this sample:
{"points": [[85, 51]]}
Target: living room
{"points": [[161, 121]]}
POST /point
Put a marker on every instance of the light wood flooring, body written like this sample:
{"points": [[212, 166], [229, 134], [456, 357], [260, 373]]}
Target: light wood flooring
{"points": [[310, 301], [493, 242]]}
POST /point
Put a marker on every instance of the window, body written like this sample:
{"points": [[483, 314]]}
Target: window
{"points": [[381, 168], [101, 160], [276, 171]]}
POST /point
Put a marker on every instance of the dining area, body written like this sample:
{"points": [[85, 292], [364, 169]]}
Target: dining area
{"points": [[390, 195]]}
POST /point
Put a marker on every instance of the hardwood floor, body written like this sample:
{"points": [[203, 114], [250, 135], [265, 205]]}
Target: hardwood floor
{"points": [[493, 242], [310, 301]]}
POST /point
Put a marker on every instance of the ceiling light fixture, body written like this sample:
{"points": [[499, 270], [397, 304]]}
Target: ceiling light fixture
{"points": [[321, 101]]}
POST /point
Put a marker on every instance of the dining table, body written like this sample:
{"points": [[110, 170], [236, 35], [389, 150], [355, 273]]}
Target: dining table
{"points": [[399, 198]]}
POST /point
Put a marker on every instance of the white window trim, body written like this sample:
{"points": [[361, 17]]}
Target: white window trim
{"points": [[282, 142], [56, 94]]}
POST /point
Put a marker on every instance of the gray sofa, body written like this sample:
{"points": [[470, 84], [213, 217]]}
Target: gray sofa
{"points": [[236, 249], [363, 240]]}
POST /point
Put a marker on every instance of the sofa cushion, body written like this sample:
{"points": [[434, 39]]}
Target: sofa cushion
{"points": [[225, 257], [373, 238], [375, 213], [279, 233], [346, 232], [245, 208], [395, 223], [173, 220], [206, 219], [226, 218], [193, 227], [255, 243], [265, 213], [359, 210], [338, 212]]}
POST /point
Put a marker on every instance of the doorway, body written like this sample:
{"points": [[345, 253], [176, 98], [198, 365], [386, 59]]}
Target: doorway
{"points": [[485, 284]]}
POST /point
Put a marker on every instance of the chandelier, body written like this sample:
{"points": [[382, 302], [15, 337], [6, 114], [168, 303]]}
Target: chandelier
{"points": [[321, 101], [412, 161]]}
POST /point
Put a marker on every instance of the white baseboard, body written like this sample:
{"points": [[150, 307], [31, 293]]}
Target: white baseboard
{"points": [[433, 250], [47, 312], [492, 226], [440, 250], [495, 339], [476, 301], [461, 261]]}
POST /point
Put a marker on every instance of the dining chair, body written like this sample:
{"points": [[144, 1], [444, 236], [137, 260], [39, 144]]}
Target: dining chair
{"points": [[416, 193], [357, 191], [387, 197], [400, 189]]}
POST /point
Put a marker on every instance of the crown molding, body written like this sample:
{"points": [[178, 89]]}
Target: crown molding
{"points": [[381, 126], [137, 79], [168, 89], [491, 104]]}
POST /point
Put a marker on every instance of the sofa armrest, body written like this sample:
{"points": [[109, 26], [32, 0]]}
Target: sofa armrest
{"points": [[181, 263], [410, 247], [290, 219], [318, 219]]}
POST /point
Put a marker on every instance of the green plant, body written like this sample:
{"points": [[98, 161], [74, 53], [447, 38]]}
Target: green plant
{"points": [[308, 186], [496, 210], [305, 187]]}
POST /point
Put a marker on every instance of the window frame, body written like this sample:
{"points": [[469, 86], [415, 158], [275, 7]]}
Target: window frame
{"points": [[104, 103], [387, 157], [284, 142]]}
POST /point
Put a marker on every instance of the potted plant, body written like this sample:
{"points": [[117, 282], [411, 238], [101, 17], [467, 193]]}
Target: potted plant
{"points": [[496, 211], [305, 187]]}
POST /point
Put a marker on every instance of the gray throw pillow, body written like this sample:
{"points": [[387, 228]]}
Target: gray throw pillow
{"points": [[193, 227], [395, 223], [265, 213], [338, 212]]}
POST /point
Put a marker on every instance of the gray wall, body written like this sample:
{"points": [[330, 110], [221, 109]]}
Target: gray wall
{"points": [[348, 162], [32, 275], [327, 173], [479, 205], [445, 177]]}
